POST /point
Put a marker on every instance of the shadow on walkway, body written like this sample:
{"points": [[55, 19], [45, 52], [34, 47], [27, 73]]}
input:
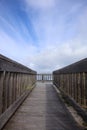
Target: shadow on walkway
{"points": [[57, 115]]}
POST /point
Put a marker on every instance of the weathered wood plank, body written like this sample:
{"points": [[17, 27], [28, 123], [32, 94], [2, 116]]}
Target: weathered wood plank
{"points": [[12, 86], [42, 110], [2, 76], [10, 111]]}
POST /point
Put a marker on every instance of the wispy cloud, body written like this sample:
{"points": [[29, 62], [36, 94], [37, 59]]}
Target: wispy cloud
{"points": [[13, 49], [41, 3], [44, 34], [57, 56]]}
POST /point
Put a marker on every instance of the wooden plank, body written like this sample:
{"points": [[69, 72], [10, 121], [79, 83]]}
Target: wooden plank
{"points": [[10, 111], [2, 76], [84, 90], [75, 88], [68, 84], [72, 86], [5, 92], [8, 79], [79, 89], [7, 64], [14, 87], [11, 89]]}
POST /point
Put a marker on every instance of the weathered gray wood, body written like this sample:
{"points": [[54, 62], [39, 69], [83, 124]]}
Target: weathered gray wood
{"points": [[11, 89], [84, 90], [78, 67], [10, 111], [14, 81], [42, 110], [2, 76], [7, 64], [77, 81]]}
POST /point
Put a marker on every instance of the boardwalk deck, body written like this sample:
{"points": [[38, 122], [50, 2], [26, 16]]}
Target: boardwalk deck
{"points": [[42, 110]]}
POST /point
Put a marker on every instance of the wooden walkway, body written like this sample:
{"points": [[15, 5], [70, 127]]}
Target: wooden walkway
{"points": [[42, 110]]}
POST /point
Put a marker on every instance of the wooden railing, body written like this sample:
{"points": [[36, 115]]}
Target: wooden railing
{"points": [[44, 77], [16, 81], [72, 81]]}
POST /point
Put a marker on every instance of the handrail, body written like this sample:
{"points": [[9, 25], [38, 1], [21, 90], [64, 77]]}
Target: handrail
{"points": [[16, 82], [72, 80], [9, 65]]}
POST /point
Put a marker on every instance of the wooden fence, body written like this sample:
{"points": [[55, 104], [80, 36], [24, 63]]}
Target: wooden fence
{"points": [[44, 77], [72, 81], [16, 81]]}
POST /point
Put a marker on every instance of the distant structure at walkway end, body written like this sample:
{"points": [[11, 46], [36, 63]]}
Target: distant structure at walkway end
{"points": [[44, 77]]}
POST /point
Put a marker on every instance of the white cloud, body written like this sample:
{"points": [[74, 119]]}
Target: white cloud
{"points": [[53, 51], [7, 23], [82, 27], [41, 3], [56, 57], [16, 50]]}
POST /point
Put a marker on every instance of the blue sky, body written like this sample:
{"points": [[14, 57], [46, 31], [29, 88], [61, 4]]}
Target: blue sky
{"points": [[43, 34]]}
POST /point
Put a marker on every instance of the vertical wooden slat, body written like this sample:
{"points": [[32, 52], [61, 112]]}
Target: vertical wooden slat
{"points": [[2, 76], [13, 86], [10, 90], [68, 84], [72, 85], [79, 90], [84, 90], [18, 85], [1, 92], [75, 88], [5, 92], [8, 79]]}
